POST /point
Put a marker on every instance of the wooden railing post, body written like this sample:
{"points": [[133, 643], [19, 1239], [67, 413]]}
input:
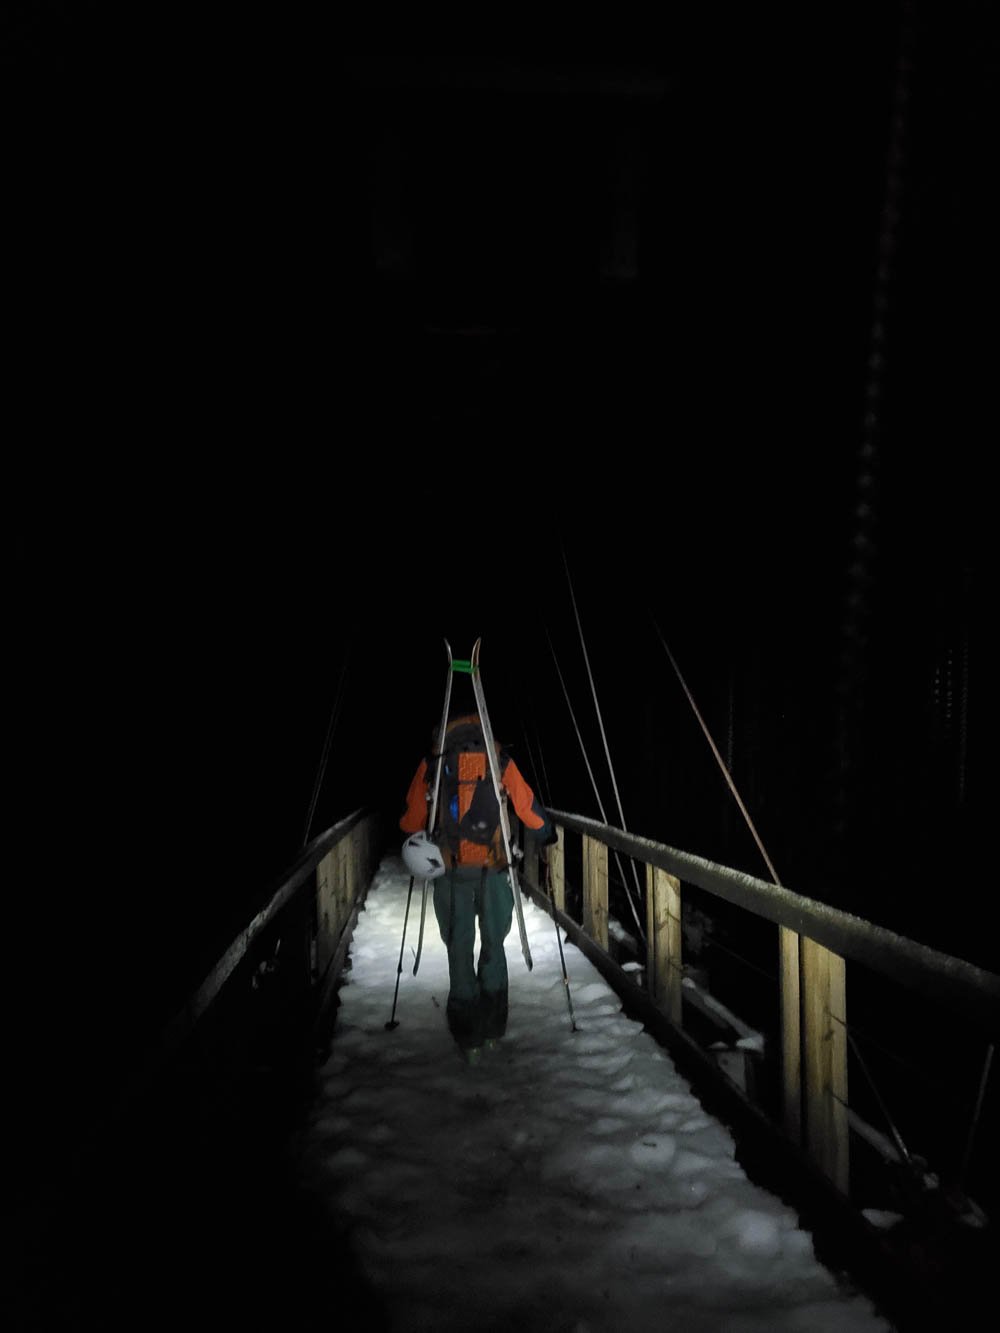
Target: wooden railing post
{"points": [[557, 869], [337, 871], [664, 941], [363, 867], [326, 910], [350, 872], [791, 1033], [824, 1021], [339, 877], [595, 890]]}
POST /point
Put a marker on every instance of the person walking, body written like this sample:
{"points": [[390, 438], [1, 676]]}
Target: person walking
{"points": [[474, 885]]}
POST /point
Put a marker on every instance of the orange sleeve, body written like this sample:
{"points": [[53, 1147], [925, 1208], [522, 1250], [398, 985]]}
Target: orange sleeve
{"points": [[415, 815], [522, 796]]}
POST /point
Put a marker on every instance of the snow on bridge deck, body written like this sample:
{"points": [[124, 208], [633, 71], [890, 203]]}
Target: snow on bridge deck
{"points": [[570, 1181]]}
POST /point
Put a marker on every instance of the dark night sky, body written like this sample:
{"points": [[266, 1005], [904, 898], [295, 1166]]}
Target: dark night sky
{"points": [[250, 453]]}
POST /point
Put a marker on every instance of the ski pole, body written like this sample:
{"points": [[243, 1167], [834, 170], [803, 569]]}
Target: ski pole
{"points": [[420, 936], [472, 667], [393, 1023], [562, 956]]}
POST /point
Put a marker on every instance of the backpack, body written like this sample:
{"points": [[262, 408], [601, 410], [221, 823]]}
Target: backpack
{"points": [[468, 811]]}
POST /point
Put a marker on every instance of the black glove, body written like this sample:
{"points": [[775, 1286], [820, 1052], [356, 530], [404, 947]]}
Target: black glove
{"points": [[544, 839]]}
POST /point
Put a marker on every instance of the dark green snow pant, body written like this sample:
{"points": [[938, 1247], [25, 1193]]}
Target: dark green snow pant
{"points": [[477, 1000]]}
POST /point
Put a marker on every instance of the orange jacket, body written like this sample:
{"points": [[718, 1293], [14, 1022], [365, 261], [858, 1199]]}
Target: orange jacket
{"points": [[528, 809]]}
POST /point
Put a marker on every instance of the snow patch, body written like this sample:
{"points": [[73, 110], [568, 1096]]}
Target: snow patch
{"points": [[569, 1171]]}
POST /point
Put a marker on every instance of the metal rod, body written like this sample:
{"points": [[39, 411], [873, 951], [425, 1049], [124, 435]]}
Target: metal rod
{"points": [[980, 1098]]}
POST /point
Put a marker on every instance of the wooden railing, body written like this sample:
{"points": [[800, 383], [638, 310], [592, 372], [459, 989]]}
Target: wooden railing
{"points": [[312, 911], [813, 944]]}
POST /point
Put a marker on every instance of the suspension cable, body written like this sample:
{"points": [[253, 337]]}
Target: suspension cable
{"points": [[331, 728], [543, 774], [976, 1114], [600, 720], [536, 775], [576, 728], [539, 775], [540, 769], [715, 750], [593, 780], [901, 1146]]}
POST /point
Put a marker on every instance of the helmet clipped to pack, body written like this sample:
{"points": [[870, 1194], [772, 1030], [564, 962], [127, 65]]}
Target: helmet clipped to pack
{"points": [[423, 859]]}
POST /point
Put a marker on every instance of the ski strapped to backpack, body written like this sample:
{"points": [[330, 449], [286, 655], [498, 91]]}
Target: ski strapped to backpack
{"points": [[431, 817], [491, 755]]}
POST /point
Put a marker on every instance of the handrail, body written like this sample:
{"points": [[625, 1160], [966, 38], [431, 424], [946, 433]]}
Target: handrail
{"points": [[281, 895], [970, 990], [308, 860]]}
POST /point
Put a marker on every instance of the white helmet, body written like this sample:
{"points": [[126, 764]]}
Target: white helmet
{"points": [[423, 859]]}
